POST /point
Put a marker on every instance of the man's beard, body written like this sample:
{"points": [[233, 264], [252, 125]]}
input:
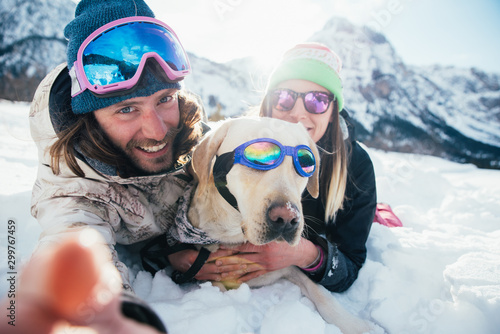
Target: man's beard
{"points": [[166, 161]]}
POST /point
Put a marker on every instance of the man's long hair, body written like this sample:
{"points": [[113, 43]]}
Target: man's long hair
{"points": [[93, 142]]}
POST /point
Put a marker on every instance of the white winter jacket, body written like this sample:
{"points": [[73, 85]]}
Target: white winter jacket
{"points": [[124, 211]]}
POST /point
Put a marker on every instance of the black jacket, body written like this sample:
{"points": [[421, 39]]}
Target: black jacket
{"points": [[344, 239]]}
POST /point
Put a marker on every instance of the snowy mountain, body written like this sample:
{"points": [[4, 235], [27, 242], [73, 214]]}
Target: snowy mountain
{"points": [[226, 89], [31, 43], [443, 111]]}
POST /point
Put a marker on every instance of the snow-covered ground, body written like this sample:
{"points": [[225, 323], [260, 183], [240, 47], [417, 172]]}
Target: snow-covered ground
{"points": [[440, 273]]}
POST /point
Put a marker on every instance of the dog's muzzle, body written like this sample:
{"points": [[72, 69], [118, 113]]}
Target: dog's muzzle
{"points": [[283, 221]]}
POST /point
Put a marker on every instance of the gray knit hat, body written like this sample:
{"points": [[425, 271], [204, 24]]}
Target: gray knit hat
{"points": [[90, 15]]}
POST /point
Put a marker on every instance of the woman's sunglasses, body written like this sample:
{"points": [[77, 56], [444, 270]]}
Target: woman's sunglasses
{"points": [[315, 102]]}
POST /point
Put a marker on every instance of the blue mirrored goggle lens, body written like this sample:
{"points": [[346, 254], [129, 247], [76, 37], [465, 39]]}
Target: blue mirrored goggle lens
{"points": [[115, 55], [262, 153]]}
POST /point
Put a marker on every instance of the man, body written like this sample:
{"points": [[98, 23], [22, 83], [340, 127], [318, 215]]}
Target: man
{"points": [[113, 129]]}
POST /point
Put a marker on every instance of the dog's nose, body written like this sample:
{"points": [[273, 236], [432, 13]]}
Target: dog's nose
{"points": [[283, 218]]}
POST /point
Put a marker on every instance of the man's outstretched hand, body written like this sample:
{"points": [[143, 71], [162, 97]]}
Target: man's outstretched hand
{"points": [[71, 288]]}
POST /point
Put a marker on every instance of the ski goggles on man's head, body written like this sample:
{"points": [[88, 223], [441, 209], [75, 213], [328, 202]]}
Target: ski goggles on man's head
{"points": [[315, 102], [113, 57], [267, 153]]}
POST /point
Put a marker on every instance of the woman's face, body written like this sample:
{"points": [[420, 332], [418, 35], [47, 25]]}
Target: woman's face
{"points": [[316, 124]]}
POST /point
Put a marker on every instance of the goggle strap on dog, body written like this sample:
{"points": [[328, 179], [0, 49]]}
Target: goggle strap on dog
{"points": [[222, 166]]}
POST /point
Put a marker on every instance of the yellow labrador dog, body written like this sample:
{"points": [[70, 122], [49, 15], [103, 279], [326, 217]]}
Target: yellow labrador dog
{"points": [[263, 206]]}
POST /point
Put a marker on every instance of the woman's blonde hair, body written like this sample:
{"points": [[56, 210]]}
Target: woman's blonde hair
{"points": [[333, 166]]}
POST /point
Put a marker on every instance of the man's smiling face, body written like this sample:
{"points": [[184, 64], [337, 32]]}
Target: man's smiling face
{"points": [[144, 128]]}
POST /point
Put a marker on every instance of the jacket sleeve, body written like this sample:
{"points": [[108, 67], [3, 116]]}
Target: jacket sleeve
{"points": [[60, 216], [345, 242]]}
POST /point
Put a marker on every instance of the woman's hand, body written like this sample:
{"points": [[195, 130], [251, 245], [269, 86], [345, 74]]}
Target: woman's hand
{"points": [[252, 261]]}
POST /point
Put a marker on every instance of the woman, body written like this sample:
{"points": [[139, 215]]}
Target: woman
{"points": [[306, 87], [339, 220]]}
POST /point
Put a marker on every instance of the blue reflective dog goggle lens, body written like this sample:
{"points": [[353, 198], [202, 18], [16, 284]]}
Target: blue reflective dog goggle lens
{"points": [[266, 154]]}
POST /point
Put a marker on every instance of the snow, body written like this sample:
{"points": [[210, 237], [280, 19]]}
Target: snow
{"points": [[439, 273]]}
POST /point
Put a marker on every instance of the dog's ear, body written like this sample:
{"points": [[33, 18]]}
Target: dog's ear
{"points": [[206, 150], [313, 183]]}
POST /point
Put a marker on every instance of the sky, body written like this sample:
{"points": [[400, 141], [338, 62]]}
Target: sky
{"points": [[463, 33]]}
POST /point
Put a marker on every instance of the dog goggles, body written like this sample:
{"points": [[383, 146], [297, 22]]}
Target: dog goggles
{"points": [[260, 154], [266, 154], [113, 57], [315, 102]]}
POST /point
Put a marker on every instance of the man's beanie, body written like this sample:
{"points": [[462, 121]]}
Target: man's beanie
{"points": [[91, 15], [313, 62]]}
